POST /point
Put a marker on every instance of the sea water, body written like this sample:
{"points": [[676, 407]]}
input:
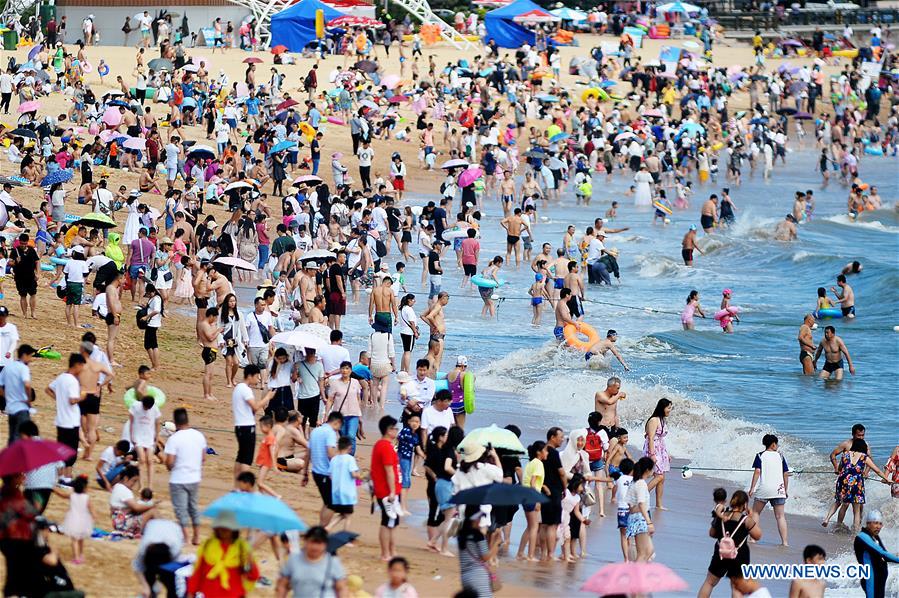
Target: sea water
{"points": [[728, 389]]}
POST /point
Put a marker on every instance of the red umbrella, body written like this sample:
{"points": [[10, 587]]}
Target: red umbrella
{"points": [[25, 455], [252, 60], [279, 49], [286, 104]]}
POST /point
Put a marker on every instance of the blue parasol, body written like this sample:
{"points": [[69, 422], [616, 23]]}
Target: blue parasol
{"points": [[281, 146], [258, 511], [58, 176]]}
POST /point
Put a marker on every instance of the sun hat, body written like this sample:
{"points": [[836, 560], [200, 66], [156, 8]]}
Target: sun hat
{"points": [[226, 520]]}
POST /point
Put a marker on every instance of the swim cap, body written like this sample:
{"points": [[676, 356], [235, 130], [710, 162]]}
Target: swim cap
{"points": [[538, 277], [692, 227], [726, 292], [874, 516]]}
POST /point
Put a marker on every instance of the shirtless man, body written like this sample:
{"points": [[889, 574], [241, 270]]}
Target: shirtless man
{"points": [[113, 315], [569, 245], [202, 290], [220, 286], [317, 314], [290, 440], [207, 337], [798, 206], [834, 349], [852, 268], [709, 216], [810, 588], [563, 315], [382, 307], [559, 269], [305, 281], [89, 379], [606, 401], [436, 321], [599, 227], [688, 246], [786, 229], [574, 282], [507, 193], [603, 347], [846, 297], [513, 224], [807, 345], [129, 120]]}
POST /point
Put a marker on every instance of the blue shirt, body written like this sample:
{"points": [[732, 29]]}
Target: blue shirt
{"points": [[315, 117], [252, 105], [343, 485], [321, 439], [406, 441], [13, 379]]}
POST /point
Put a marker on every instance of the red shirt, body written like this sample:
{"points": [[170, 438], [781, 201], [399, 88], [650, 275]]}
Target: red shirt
{"points": [[470, 249], [383, 455]]}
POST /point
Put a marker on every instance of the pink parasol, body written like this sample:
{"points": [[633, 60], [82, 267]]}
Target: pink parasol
{"points": [[634, 578], [109, 135], [654, 112], [355, 21], [112, 116], [390, 81], [470, 175], [135, 143], [26, 455], [32, 106]]}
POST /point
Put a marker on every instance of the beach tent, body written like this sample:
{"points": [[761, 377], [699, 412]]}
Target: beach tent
{"points": [[502, 28], [294, 27]]}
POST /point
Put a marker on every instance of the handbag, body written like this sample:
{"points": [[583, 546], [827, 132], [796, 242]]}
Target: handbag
{"points": [[263, 331], [141, 317], [588, 498]]}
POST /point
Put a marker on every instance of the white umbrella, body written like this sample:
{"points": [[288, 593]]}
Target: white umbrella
{"points": [[235, 262], [317, 254], [190, 67], [318, 330], [455, 163], [681, 7], [299, 339], [238, 185], [623, 136]]}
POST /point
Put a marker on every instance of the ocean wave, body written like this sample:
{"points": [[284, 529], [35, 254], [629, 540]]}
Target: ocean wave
{"points": [[847, 220], [654, 265]]}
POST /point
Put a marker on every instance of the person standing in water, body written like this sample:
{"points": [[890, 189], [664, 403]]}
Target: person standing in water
{"points": [[834, 349], [603, 347], [846, 297], [807, 345], [709, 216], [688, 245], [692, 308]]}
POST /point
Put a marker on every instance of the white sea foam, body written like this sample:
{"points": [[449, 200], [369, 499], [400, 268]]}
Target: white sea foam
{"points": [[869, 224]]}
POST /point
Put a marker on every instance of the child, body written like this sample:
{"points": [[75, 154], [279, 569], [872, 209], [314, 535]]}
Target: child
{"points": [[408, 447], [622, 485], [404, 135], [246, 482], [143, 419], [408, 395], [659, 213], [713, 170], [79, 521], [344, 473], [400, 279], [398, 585], [532, 478], [617, 453], [112, 462], [267, 454], [690, 310], [823, 301], [572, 518], [727, 321], [185, 289], [146, 496], [538, 294], [720, 511], [612, 212], [684, 190]]}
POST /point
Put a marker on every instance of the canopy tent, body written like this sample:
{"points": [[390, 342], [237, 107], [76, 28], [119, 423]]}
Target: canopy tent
{"points": [[294, 27], [502, 28]]}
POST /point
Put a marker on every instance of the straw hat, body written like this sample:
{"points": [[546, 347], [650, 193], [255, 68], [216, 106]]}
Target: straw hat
{"points": [[472, 453], [226, 520], [166, 241]]}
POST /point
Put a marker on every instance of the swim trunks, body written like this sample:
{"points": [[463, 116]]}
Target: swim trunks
{"points": [[687, 254], [559, 283], [803, 355], [507, 198], [437, 336], [832, 366], [588, 355], [847, 311], [707, 221], [209, 355], [512, 239], [536, 300], [383, 321], [622, 517], [109, 318], [201, 302], [559, 332]]}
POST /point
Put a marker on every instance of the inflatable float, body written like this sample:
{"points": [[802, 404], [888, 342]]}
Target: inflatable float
{"points": [[828, 312], [468, 392], [873, 150], [487, 283], [130, 397], [727, 313], [662, 207], [573, 336], [48, 353], [335, 121], [853, 53]]}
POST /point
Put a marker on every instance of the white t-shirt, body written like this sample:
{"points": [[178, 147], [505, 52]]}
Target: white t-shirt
{"points": [[145, 22], [143, 430], [771, 481], [380, 347], [96, 262], [431, 418], [240, 406], [332, 356], [9, 339], [253, 320], [108, 459], [379, 218], [638, 492], [407, 317], [282, 375], [120, 495], [594, 250], [75, 270], [622, 486], [365, 156], [66, 387], [155, 304], [171, 155], [188, 446]]}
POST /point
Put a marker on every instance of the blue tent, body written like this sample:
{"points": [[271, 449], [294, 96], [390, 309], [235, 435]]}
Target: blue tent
{"points": [[294, 27], [506, 32]]}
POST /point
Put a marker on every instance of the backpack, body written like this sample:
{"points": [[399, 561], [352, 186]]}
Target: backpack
{"points": [[140, 317], [380, 248], [593, 446], [727, 548]]}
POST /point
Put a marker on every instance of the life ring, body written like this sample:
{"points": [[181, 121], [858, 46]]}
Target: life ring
{"points": [[828, 312], [307, 130], [487, 283], [103, 70], [47, 267], [873, 150], [87, 67], [335, 121], [661, 207], [468, 392], [572, 336], [727, 313], [59, 261], [591, 93], [130, 397]]}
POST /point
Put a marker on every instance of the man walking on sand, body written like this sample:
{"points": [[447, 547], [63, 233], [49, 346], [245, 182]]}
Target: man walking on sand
{"points": [[185, 453], [207, 336], [382, 306], [385, 479]]}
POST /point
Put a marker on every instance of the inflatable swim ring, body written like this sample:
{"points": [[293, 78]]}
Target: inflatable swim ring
{"points": [[729, 312], [573, 339], [130, 396], [846, 53], [661, 207], [468, 392], [87, 67], [47, 267], [487, 283], [335, 121], [49, 353], [590, 93], [873, 150], [103, 70], [59, 261], [828, 312]]}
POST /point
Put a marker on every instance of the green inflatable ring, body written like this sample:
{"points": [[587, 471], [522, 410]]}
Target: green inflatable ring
{"points": [[130, 398], [468, 392], [49, 354]]}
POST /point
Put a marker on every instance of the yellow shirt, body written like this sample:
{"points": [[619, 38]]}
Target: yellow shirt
{"points": [[757, 41], [668, 96], [533, 474]]}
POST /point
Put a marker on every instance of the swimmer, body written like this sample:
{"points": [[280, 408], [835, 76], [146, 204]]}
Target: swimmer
{"points": [[823, 301], [834, 350], [786, 229], [612, 212], [606, 401], [806, 345], [563, 316], [692, 308], [604, 346], [709, 216], [688, 245], [810, 588], [538, 295], [854, 267], [846, 297], [726, 321]]}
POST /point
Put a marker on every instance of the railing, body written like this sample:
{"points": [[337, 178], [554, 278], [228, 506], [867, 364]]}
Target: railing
{"points": [[769, 20]]}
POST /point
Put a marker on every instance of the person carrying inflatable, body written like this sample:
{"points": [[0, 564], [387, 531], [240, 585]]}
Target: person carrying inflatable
{"points": [[563, 316]]}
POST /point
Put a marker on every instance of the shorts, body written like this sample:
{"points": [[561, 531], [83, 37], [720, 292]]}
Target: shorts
{"points": [[90, 405], [336, 304], [598, 465], [559, 333], [832, 366], [150, 340], [636, 525], [512, 240], [457, 244], [399, 184], [323, 483], [246, 444], [435, 286], [406, 237], [486, 293], [687, 254], [469, 269], [458, 408], [201, 302], [385, 520], [171, 173], [408, 342], [529, 508], [135, 272], [706, 221], [558, 283], [209, 355], [70, 438], [74, 293], [732, 568], [588, 355], [507, 198], [623, 515], [443, 490], [774, 502], [848, 310], [308, 408], [258, 356], [342, 509], [551, 512], [26, 287], [527, 243]]}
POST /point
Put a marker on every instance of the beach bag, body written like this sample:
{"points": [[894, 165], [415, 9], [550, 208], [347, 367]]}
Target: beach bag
{"points": [[593, 446], [727, 548], [141, 317]]}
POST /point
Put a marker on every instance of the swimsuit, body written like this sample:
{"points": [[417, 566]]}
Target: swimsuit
{"points": [[848, 310], [512, 239], [832, 366], [436, 336], [803, 355], [536, 300], [507, 198], [588, 355], [559, 332], [706, 221], [559, 283], [383, 321]]}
